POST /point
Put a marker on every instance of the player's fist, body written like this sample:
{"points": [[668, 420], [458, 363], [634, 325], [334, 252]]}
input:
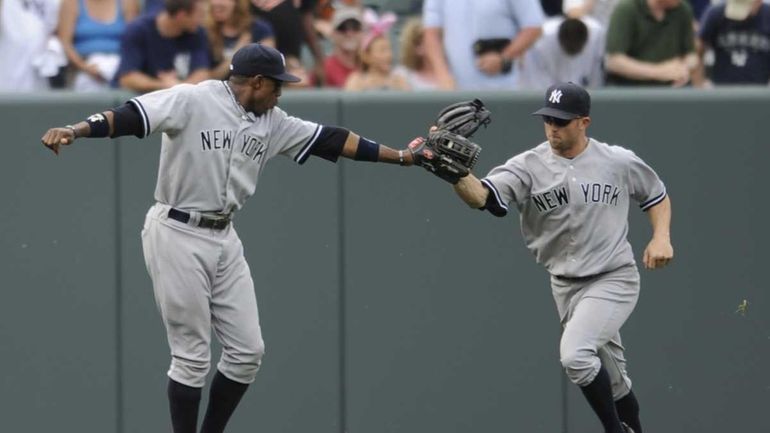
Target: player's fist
{"points": [[658, 253], [55, 137]]}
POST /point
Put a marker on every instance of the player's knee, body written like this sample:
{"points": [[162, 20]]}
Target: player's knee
{"points": [[243, 365], [191, 372], [581, 366]]}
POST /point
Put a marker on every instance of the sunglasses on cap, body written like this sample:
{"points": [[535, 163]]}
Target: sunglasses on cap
{"points": [[349, 26], [556, 121]]}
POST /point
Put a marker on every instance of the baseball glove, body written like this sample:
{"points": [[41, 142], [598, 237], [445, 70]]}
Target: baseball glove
{"points": [[447, 155], [447, 152], [464, 118]]}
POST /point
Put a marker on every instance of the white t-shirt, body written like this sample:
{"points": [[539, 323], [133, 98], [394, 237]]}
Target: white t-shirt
{"points": [[546, 63], [25, 27]]}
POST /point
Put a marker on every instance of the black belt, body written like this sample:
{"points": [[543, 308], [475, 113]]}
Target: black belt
{"points": [[206, 223]]}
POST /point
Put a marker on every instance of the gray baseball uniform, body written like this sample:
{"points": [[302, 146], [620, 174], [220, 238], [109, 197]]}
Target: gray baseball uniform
{"points": [[212, 154], [574, 216]]}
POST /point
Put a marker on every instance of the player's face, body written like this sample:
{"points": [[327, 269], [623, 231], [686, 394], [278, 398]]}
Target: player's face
{"points": [[563, 135], [264, 95]]}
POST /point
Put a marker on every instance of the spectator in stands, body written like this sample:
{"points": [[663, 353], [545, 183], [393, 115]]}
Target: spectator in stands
{"points": [[651, 42], [29, 54], [90, 32], [230, 26], [293, 23], [700, 6], [600, 10], [739, 34], [415, 65], [166, 49], [295, 67], [376, 71], [347, 23], [473, 44], [570, 49]]}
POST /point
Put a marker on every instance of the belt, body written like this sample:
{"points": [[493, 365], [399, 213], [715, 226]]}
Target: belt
{"points": [[578, 279], [204, 222]]}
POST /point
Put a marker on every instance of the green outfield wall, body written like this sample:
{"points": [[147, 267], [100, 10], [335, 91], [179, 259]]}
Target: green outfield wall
{"points": [[386, 304]]}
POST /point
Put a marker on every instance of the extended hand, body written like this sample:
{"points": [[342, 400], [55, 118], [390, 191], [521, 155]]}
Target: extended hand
{"points": [[658, 253], [58, 136]]}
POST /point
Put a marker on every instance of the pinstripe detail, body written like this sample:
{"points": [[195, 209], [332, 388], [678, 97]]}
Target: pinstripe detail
{"points": [[653, 201], [495, 192], [305, 152], [143, 113]]}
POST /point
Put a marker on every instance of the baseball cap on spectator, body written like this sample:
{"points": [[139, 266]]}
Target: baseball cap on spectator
{"points": [[256, 59], [347, 13], [565, 101], [738, 10]]}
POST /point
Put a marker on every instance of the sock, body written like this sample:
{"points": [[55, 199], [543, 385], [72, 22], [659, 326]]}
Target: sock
{"points": [[183, 402], [599, 396], [628, 411], [224, 396]]}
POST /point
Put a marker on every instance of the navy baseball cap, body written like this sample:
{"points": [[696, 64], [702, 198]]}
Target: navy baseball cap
{"points": [[565, 101], [256, 59]]}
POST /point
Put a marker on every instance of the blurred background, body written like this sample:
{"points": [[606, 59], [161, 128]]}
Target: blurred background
{"points": [[398, 328]]}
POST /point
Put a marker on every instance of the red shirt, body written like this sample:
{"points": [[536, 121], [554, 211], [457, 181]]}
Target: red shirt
{"points": [[336, 71]]}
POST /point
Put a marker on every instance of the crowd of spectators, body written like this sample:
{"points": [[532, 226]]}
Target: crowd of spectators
{"points": [[358, 45]]}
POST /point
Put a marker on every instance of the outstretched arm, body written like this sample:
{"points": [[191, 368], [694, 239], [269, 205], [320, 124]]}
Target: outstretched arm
{"points": [[659, 251], [116, 122], [65, 135], [334, 142], [471, 191], [354, 147]]}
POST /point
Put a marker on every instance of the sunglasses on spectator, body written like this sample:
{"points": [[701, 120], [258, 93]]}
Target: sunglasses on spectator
{"points": [[349, 26], [556, 121]]}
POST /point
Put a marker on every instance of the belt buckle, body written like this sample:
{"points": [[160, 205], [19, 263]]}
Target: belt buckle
{"points": [[214, 223], [220, 223]]}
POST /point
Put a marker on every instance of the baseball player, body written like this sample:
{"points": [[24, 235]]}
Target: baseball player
{"points": [[217, 138], [573, 193]]}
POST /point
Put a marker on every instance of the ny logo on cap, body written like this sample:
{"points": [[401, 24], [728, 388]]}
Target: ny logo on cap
{"points": [[555, 97]]}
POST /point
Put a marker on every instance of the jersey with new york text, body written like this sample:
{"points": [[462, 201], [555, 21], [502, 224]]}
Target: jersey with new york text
{"points": [[574, 212], [212, 150]]}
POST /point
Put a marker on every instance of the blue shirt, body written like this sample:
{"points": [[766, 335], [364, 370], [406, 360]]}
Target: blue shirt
{"points": [[465, 21], [143, 49], [741, 48], [92, 36]]}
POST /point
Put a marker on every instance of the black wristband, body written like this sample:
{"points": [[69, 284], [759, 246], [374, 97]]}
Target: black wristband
{"points": [[99, 125], [367, 150]]}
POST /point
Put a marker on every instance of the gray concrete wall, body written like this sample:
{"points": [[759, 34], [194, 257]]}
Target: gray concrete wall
{"points": [[374, 320]]}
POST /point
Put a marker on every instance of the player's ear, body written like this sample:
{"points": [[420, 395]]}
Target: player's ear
{"points": [[586, 121], [256, 81]]}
